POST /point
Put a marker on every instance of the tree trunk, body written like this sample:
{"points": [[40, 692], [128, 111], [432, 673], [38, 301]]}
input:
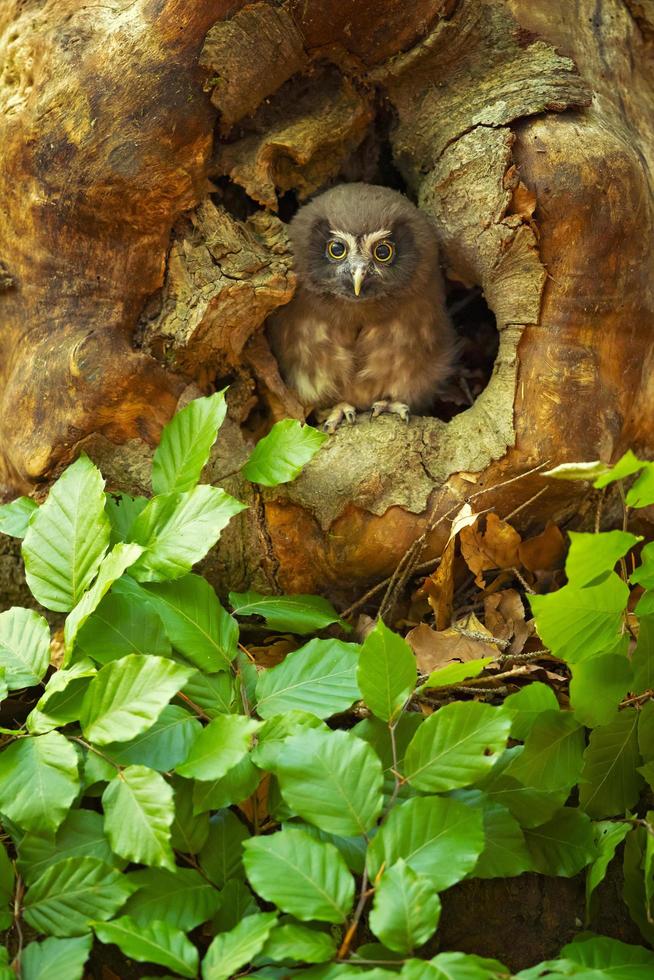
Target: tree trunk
{"points": [[141, 248]]}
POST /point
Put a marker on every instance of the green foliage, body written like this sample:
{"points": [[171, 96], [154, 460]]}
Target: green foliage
{"points": [[281, 455], [209, 816]]}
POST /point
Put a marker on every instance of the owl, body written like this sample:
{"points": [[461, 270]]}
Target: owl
{"points": [[367, 329]]}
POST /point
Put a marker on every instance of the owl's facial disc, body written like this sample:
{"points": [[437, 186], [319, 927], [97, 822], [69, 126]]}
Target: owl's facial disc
{"points": [[357, 262]]}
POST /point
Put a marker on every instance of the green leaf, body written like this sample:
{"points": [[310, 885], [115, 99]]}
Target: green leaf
{"points": [[38, 781], [24, 647], [454, 673], [627, 465], [437, 837], [80, 835], [138, 813], [642, 659], [198, 626], [331, 779], [182, 898], [67, 538], [578, 623], [189, 831], [7, 880], [406, 908], [352, 849], [552, 757], [122, 511], [237, 903], [230, 951], [301, 875], [456, 745], [529, 806], [127, 696], [153, 942], [72, 893], [592, 555], [213, 693], [281, 455], [220, 746], [644, 573], [186, 442], [178, 529], [236, 785], [111, 568], [607, 837], [298, 943], [633, 888], [15, 516], [598, 686], [274, 733], [527, 704], [564, 845], [609, 782], [55, 959], [456, 966], [61, 701], [641, 492], [287, 613], [505, 853], [378, 736], [610, 958], [319, 678], [221, 857], [163, 746], [387, 672], [122, 624], [646, 731]]}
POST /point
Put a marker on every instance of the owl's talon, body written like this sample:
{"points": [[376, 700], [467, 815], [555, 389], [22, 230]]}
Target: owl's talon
{"points": [[390, 408], [343, 412]]}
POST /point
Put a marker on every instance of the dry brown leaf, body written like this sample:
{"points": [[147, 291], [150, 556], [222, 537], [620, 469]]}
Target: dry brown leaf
{"points": [[464, 518], [494, 547], [57, 648], [504, 614], [434, 649], [439, 587], [255, 807], [271, 654], [544, 552]]}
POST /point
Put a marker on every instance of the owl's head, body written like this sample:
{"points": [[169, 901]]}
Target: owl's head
{"points": [[361, 242]]}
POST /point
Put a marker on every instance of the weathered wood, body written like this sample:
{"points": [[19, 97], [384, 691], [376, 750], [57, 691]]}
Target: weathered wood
{"points": [[524, 130]]}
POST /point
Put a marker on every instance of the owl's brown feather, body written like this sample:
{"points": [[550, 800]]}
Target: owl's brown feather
{"points": [[395, 342]]}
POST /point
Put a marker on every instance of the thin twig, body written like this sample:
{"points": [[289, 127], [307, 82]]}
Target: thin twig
{"points": [[92, 748], [196, 707], [522, 580], [18, 900], [412, 555], [425, 566], [517, 510], [364, 894]]}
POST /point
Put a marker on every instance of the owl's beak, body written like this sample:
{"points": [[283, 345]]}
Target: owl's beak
{"points": [[358, 275]]}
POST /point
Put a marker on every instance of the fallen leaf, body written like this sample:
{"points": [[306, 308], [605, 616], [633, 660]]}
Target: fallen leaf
{"points": [[504, 614], [438, 648], [255, 807], [465, 518], [271, 654], [494, 547], [439, 587], [544, 552]]}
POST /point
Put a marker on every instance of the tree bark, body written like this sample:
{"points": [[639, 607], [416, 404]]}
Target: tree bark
{"points": [[150, 148]]}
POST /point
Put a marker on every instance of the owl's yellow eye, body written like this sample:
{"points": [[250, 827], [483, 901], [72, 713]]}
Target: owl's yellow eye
{"points": [[336, 249], [384, 251]]}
